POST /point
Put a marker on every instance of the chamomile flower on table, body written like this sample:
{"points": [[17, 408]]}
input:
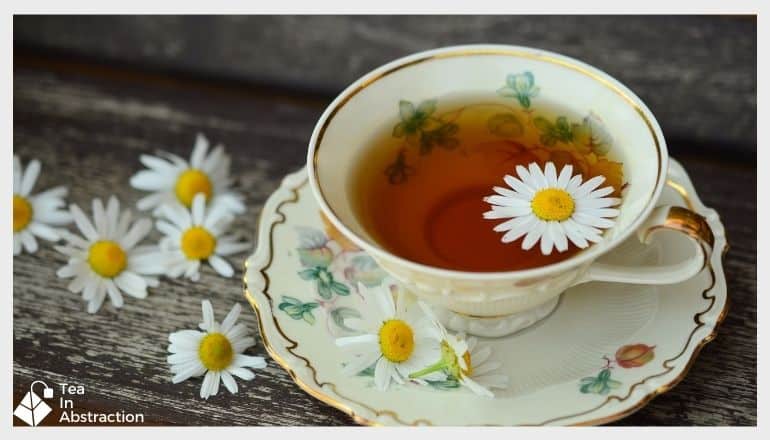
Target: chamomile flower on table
{"points": [[465, 361], [35, 215], [217, 352], [106, 261], [395, 338], [197, 235], [173, 180], [552, 209]]}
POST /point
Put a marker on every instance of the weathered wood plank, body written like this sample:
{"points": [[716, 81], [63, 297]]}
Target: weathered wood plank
{"points": [[88, 131], [696, 73]]}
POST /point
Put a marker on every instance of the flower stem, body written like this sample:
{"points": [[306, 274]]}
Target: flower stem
{"points": [[438, 366]]}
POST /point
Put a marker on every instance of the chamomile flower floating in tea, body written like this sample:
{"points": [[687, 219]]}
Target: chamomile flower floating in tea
{"points": [[34, 214], [173, 180], [395, 338], [106, 261], [550, 208], [217, 352], [462, 360], [196, 235]]}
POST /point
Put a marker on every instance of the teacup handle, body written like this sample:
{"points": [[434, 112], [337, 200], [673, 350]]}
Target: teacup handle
{"points": [[674, 218]]}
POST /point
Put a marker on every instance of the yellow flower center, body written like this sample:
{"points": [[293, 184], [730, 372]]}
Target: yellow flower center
{"points": [[22, 213], [215, 352], [198, 243], [107, 258], [553, 204], [396, 340], [190, 183], [467, 358]]}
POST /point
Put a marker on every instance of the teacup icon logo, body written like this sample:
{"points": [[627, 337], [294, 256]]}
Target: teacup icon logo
{"points": [[32, 409]]}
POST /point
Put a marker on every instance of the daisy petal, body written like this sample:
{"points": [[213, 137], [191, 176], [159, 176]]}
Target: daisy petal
{"points": [[601, 192], [229, 382], [520, 228], [587, 187], [241, 372], [564, 177], [538, 178], [590, 220], [30, 177], [559, 236], [138, 231], [546, 240], [82, 222], [550, 174], [533, 235], [221, 266], [231, 318], [520, 187], [43, 231], [132, 284], [199, 151]]}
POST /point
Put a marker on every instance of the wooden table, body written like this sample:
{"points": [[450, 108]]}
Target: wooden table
{"points": [[91, 94]]}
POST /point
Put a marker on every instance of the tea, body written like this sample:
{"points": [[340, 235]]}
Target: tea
{"points": [[419, 189]]}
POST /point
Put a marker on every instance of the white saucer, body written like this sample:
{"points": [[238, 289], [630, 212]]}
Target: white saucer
{"points": [[603, 353]]}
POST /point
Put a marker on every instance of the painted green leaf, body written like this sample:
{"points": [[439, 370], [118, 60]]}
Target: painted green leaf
{"points": [[340, 313], [296, 309], [505, 125], [367, 372], [308, 317], [406, 110], [506, 92], [324, 290], [308, 274], [427, 107], [447, 384], [339, 288], [398, 130]]}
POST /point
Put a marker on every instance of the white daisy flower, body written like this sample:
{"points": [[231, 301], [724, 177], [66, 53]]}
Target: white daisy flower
{"points": [[464, 361], [34, 214], [542, 206], [108, 261], [396, 338], [195, 236], [173, 180], [217, 351]]}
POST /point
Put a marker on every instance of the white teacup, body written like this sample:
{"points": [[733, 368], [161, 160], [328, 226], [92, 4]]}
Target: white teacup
{"points": [[499, 303]]}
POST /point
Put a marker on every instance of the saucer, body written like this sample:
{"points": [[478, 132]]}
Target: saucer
{"points": [[604, 352]]}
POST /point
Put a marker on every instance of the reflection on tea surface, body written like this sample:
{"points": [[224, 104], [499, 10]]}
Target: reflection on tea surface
{"points": [[419, 189]]}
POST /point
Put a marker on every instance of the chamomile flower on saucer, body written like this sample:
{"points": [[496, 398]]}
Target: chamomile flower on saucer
{"points": [[35, 214], [543, 206], [217, 352], [106, 261], [173, 180], [395, 338], [197, 235], [465, 361]]}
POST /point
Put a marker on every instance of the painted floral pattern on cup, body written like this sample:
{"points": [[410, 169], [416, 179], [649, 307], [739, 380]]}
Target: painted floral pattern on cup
{"points": [[627, 356], [520, 86], [423, 129], [333, 266]]}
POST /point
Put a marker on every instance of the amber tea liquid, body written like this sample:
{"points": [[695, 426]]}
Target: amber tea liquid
{"points": [[418, 189]]}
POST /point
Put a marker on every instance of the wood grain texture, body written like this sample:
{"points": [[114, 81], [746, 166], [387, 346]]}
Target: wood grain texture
{"points": [[696, 73], [88, 128]]}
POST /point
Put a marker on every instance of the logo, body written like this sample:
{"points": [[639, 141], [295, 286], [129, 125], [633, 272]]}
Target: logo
{"points": [[32, 409]]}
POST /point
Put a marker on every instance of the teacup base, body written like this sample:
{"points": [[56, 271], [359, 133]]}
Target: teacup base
{"points": [[494, 326]]}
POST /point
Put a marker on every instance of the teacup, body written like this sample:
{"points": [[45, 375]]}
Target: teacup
{"points": [[500, 303]]}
